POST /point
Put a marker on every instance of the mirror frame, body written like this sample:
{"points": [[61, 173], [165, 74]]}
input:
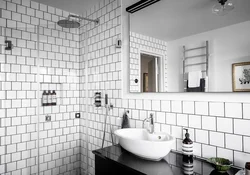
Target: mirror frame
{"points": [[242, 97]]}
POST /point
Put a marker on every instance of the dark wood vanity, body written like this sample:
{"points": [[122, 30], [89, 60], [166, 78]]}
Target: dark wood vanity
{"points": [[115, 160]]}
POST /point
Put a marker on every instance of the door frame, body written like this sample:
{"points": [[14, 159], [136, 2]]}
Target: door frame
{"points": [[161, 83]]}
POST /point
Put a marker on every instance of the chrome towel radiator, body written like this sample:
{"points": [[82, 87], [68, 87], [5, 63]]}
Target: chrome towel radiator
{"points": [[201, 59]]}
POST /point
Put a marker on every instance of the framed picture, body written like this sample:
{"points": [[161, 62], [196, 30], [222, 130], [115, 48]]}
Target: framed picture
{"points": [[241, 77]]}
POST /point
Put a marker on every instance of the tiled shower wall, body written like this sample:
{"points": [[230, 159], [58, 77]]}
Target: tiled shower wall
{"points": [[59, 70], [217, 128], [103, 63], [140, 43]]}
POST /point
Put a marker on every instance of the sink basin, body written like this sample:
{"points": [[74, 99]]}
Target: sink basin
{"points": [[143, 144]]}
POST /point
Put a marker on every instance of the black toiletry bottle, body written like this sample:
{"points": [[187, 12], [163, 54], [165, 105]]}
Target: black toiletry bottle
{"points": [[44, 98], [49, 98], [187, 165], [247, 168], [54, 99], [187, 145]]}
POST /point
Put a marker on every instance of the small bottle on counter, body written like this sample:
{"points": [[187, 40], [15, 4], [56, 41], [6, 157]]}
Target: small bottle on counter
{"points": [[247, 168], [187, 165], [44, 98], [54, 99], [187, 145]]}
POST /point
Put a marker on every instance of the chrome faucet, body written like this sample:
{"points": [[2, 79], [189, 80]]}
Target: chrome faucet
{"points": [[150, 119]]}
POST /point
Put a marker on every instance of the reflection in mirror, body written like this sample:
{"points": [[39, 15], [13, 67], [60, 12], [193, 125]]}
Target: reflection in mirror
{"points": [[191, 45], [150, 72]]}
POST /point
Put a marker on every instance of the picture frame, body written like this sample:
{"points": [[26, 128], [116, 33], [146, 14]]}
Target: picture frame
{"points": [[241, 77]]}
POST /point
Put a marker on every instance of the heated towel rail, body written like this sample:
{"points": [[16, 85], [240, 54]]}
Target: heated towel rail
{"points": [[200, 59]]}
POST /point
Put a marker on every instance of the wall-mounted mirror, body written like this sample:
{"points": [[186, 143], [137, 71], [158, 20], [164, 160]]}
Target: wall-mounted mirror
{"points": [[188, 46]]}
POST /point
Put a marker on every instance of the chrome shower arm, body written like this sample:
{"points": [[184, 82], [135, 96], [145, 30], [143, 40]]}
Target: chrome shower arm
{"points": [[83, 18]]}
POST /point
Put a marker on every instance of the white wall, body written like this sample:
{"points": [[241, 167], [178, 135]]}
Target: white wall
{"points": [[227, 45]]}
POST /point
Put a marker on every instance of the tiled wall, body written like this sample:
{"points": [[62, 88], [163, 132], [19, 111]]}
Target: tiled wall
{"points": [[103, 63], [220, 129], [59, 70], [138, 43], [217, 128]]}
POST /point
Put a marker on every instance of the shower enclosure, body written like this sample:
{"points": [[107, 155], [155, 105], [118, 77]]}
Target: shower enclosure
{"points": [[37, 138], [68, 62]]}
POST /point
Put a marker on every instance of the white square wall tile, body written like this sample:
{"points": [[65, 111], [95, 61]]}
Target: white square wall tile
{"points": [[234, 142], [182, 120], [139, 104], [176, 132], [171, 118], [242, 127], [160, 117], [195, 121], [217, 138], [125, 103], [246, 141], [188, 107], [225, 125], [216, 109], [165, 106], [233, 110], [226, 153], [165, 128], [147, 104], [135, 114], [209, 123], [208, 151], [197, 149], [241, 158], [246, 111], [131, 104], [143, 115], [201, 108], [176, 106], [156, 105], [201, 136]]}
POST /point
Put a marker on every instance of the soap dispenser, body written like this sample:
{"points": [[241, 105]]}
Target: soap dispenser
{"points": [[187, 144], [125, 120]]}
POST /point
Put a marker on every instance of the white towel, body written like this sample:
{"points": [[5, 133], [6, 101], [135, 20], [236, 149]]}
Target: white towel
{"points": [[194, 79]]}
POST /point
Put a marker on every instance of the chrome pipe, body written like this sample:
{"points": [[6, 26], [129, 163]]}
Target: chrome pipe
{"points": [[96, 21]]}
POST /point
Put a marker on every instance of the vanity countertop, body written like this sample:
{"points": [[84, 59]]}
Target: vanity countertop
{"points": [[173, 164]]}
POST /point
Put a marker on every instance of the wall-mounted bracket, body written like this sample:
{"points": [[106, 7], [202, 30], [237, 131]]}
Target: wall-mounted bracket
{"points": [[9, 45]]}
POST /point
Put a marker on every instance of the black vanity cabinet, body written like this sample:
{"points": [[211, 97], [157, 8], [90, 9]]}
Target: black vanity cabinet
{"points": [[114, 160], [105, 166]]}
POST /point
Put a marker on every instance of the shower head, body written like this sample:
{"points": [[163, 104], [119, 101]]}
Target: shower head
{"points": [[68, 23]]}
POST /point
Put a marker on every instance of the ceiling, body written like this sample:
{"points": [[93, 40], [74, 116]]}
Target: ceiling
{"points": [[168, 19], [73, 6], [173, 19]]}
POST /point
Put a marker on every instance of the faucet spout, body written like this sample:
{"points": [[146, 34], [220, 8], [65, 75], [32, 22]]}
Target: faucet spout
{"points": [[151, 123]]}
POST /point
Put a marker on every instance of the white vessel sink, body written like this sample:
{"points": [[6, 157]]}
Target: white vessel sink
{"points": [[143, 144]]}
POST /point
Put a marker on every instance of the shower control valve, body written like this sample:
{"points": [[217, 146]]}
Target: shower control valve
{"points": [[48, 118], [110, 106]]}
